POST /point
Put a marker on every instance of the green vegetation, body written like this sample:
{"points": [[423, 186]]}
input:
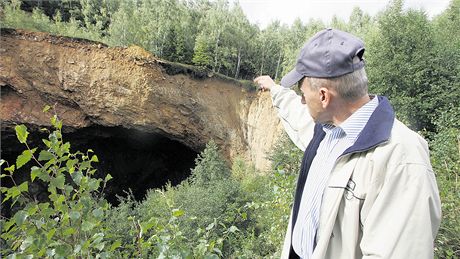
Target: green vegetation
{"points": [[223, 212], [212, 214]]}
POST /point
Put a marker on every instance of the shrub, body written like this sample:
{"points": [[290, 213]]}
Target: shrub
{"points": [[69, 223], [269, 203], [446, 163], [210, 200], [77, 222], [210, 166]]}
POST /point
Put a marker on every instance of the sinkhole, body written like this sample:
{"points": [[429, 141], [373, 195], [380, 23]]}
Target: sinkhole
{"points": [[138, 161]]}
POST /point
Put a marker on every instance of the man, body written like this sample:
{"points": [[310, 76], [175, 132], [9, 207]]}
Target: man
{"points": [[366, 187]]}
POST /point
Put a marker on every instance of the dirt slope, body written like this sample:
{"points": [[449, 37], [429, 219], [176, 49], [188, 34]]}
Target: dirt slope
{"points": [[92, 84]]}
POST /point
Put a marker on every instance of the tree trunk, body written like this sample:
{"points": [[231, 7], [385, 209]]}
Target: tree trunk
{"points": [[238, 64], [216, 52], [262, 62], [277, 66]]}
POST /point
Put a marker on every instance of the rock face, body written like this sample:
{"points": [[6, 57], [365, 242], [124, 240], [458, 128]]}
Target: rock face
{"points": [[93, 85]]}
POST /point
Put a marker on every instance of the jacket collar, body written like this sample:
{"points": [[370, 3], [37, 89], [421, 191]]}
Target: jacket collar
{"points": [[377, 129]]}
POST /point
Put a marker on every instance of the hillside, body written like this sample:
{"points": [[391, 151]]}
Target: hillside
{"points": [[129, 106]]}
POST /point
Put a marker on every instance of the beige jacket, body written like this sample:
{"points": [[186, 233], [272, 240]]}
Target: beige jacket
{"points": [[381, 201]]}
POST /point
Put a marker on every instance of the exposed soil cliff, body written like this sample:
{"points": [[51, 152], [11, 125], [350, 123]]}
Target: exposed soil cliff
{"points": [[92, 85]]}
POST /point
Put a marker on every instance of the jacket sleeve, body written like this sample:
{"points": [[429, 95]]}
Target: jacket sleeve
{"points": [[404, 219], [294, 116]]}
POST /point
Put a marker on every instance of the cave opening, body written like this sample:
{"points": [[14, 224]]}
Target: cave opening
{"points": [[137, 161]]}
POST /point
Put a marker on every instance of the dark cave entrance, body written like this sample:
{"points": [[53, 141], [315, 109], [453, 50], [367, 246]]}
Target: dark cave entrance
{"points": [[137, 160]]}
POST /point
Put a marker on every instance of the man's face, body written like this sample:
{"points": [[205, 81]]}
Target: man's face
{"points": [[312, 98]]}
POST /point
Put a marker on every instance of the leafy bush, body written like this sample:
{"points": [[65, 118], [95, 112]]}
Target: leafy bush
{"points": [[209, 200], [14, 17], [76, 221], [446, 163], [286, 160], [70, 222], [210, 166]]}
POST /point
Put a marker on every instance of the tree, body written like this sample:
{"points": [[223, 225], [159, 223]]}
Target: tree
{"points": [[294, 39], [359, 23], [402, 65], [125, 26], [212, 48], [270, 50], [210, 166], [242, 32]]}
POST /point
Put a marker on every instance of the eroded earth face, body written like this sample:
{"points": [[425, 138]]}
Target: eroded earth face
{"points": [[108, 96]]}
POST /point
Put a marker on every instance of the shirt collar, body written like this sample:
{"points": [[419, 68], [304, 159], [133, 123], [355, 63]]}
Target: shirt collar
{"points": [[354, 124]]}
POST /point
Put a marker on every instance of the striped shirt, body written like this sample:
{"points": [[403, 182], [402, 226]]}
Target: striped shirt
{"points": [[335, 142]]}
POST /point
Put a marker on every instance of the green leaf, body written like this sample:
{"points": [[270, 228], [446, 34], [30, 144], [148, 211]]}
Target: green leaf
{"points": [[8, 225], [2, 162], [20, 217], [45, 155], [115, 245], [35, 171], [50, 234], [70, 163], [74, 215], [10, 169], [40, 173], [87, 225], [21, 133], [58, 181], [47, 142], [59, 199], [12, 192], [84, 165], [77, 249], [26, 243], [51, 252], [210, 226], [40, 222], [76, 177], [63, 250], [100, 246], [32, 210], [24, 158], [68, 231], [233, 229], [46, 108], [108, 177], [94, 159], [217, 250], [53, 121], [24, 187], [93, 184], [59, 124], [98, 213], [68, 189], [177, 213]]}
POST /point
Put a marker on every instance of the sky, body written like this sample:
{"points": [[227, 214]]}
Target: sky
{"points": [[262, 12]]}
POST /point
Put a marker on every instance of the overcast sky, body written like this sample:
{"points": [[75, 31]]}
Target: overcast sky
{"points": [[262, 12]]}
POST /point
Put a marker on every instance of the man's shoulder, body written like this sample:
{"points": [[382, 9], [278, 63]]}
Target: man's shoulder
{"points": [[407, 145], [402, 134]]}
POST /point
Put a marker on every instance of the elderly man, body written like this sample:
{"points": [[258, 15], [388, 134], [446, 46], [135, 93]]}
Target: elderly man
{"points": [[366, 187]]}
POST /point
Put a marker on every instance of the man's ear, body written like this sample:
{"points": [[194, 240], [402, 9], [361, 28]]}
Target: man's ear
{"points": [[324, 96]]}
